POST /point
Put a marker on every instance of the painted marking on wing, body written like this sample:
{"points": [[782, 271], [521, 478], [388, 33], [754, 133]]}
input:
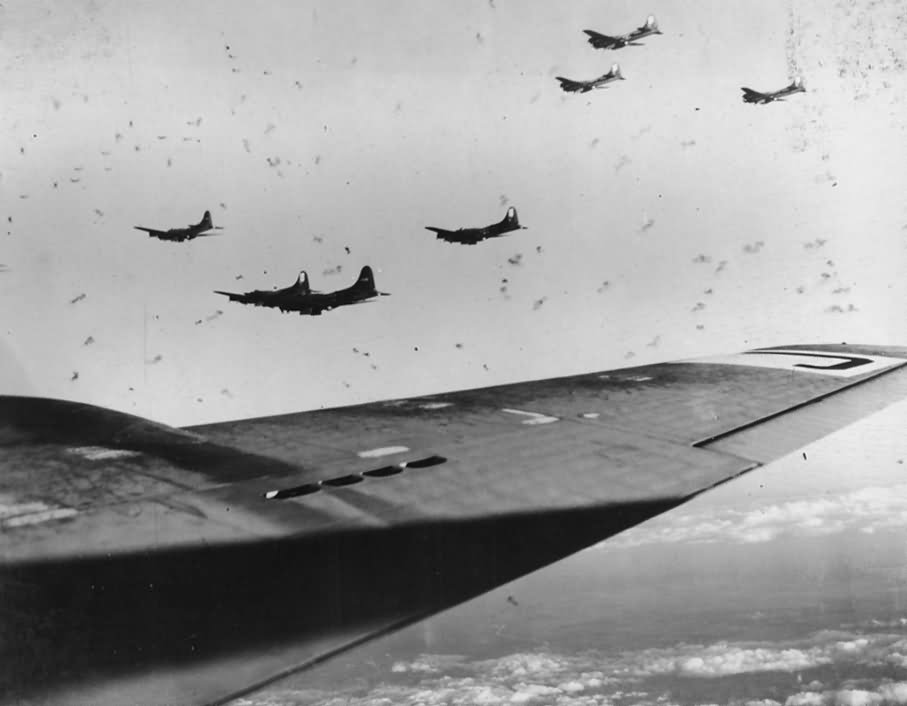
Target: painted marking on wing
{"points": [[435, 405], [20, 509], [831, 363], [32, 513], [639, 378], [591, 415], [383, 451], [534, 417], [36, 518], [101, 453]]}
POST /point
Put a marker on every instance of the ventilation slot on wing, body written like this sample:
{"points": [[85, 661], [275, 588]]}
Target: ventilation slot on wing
{"points": [[353, 478]]}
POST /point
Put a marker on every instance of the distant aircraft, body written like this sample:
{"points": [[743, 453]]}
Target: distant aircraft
{"points": [[604, 41], [302, 299], [275, 297], [571, 86], [180, 234], [471, 236], [751, 96]]}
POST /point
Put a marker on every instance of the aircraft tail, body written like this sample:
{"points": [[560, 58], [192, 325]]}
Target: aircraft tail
{"points": [[302, 283], [615, 71], [206, 221], [511, 219], [233, 296], [365, 285], [651, 24]]}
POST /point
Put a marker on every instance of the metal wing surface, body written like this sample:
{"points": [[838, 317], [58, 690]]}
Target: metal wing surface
{"points": [[140, 563]]}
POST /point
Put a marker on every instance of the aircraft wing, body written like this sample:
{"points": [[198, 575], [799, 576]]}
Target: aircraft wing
{"points": [[604, 41], [141, 563], [751, 96]]}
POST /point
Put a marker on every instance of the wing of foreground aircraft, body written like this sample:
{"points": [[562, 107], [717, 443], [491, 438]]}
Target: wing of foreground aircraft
{"points": [[141, 563]]}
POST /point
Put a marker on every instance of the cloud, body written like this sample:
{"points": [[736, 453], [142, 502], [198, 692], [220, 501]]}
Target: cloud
{"points": [[602, 678], [886, 693], [865, 510]]}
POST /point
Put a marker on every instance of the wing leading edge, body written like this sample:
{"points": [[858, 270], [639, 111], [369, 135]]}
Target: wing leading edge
{"points": [[142, 563]]}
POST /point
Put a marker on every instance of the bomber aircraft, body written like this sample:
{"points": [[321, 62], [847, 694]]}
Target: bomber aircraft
{"points": [[471, 236], [274, 297], [146, 564], [604, 41], [302, 299], [179, 235], [751, 96], [571, 86]]}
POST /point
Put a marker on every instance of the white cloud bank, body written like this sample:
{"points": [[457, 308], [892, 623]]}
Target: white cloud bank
{"points": [[866, 510], [601, 679]]}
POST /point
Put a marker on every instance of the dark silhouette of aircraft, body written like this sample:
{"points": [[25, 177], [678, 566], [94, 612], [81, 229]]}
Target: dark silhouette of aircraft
{"points": [[751, 96], [302, 299], [178, 235], [471, 236], [275, 297], [631, 39], [571, 86]]}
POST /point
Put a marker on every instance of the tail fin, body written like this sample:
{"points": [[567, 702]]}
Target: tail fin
{"points": [[651, 24], [511, 218], [206, 221], [302, 282], [615, 71], [798, 83], [366, 279], [233, 296]]}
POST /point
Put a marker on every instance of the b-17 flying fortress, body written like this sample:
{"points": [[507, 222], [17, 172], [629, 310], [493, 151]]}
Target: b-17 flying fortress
{"points": [[300, 298], [471, 236], [179, 235], [751, 96], [631, 39], [572, 86]]}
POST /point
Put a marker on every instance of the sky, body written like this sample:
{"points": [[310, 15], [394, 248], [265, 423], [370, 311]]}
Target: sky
{"points": [[666, 219]]}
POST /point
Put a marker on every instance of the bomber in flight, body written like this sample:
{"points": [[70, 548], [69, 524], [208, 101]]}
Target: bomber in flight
{"points": [[631, 39], [302, 299], [178, 235], [275, 297], [571, 86], [471, 236], [751, 96]]}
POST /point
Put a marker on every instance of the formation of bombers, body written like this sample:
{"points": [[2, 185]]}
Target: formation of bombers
{"points": [[302, 299], [631, 39]]}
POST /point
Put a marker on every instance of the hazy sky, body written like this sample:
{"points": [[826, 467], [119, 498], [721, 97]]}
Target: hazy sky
{"points": [[666, 219], [359, 123]]}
